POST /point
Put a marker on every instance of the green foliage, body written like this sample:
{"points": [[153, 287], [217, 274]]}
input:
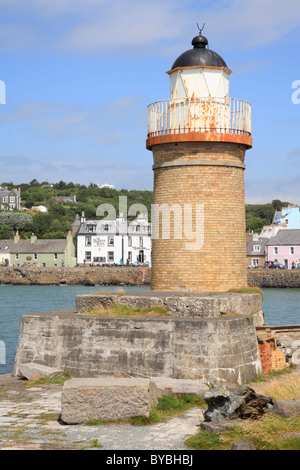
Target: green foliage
{"points": [[258, 215], [5, 231], [15, 220], [60, 216]]}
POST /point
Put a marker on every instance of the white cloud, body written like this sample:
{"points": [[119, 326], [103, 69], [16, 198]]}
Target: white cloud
{"points": [[138, 25], [252, 23]]}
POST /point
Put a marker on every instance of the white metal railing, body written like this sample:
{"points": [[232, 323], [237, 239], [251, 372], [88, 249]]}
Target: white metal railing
{"points": [[183, 115]]}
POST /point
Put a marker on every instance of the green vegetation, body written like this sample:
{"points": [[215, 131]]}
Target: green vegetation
{"points": [[247, 290], [272, 432], [119, 310], [258, 215], [57, 380], [56, 222]]}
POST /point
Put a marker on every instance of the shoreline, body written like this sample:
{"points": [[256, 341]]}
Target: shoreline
{"points": [[127, 275]]}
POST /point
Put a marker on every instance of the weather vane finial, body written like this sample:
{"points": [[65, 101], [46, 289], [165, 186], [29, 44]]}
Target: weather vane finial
{"points": [[200, 30]]}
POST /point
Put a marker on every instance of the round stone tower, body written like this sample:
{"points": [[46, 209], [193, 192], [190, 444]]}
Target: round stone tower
{"points": [[199, 138]]}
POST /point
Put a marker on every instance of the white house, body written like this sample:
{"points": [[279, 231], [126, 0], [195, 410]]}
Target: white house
{"points": [[116, 241]]}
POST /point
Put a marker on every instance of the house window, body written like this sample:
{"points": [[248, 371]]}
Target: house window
{"points": [[256, 248], [35, 255], [88, 256], [138, 228], [4, 199], [12, 199], [110, 241], [292, 250], [88, 241], [129, 241], [129, 256], [106, 228], [140, 241], [91, 228], [55, 255], [255, 262], [110, 256], [275, 250], [16, 256]]}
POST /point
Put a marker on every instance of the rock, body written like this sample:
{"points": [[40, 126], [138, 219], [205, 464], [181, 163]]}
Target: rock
{"points": [[33, 371], [234, 402], [243, 445], [287, 408], [106, 398], [170, 386]]}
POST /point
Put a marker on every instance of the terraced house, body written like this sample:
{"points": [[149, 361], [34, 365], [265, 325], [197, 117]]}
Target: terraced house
{"points": [[38, 252]]}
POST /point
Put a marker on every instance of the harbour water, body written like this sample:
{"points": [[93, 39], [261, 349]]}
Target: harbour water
{"points": [[281, 307]]}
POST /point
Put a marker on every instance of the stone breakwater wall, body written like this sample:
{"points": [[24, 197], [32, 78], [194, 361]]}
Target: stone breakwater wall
{"points": [[209, 349], [127, 275], [72, 276], [282, 278]]}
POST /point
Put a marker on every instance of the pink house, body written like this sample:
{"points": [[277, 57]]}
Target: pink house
{"points": [[285, 248]]}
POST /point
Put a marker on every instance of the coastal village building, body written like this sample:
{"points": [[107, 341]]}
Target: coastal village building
{"points": [[256, 252], [287, 218], [116, 241], [10, 199], [284, 248], [38, 252]]}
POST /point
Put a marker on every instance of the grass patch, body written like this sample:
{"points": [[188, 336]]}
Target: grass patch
{"points": [[271, 432], [119, 310], [248, 290], [55, 380], [286, 389], [168, 407]]}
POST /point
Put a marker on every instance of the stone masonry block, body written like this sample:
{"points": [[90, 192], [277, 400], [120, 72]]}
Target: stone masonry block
{"points": [[32, 371], [106, 398]]}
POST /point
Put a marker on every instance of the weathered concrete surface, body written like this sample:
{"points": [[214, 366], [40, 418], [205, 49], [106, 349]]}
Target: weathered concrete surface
{"points": [[77, 275], [107, 399], [208, 349], [283, 278], [180, 304]]}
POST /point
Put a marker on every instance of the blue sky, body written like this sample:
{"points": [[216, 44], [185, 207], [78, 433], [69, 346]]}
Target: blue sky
{"points": [[80, 74]]}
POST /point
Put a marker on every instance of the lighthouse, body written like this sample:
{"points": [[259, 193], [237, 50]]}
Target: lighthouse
{"points": [[199, 137]]}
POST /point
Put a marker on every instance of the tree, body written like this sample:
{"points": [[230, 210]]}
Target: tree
{"points": [[15, 220], [5, 231]]}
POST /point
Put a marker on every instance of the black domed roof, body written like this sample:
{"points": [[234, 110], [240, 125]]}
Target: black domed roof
{"points": [[200, 55]]}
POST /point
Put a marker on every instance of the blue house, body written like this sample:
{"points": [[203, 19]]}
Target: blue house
{"points": [[288, 216]]}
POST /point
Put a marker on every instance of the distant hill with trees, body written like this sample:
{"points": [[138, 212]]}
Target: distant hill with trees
{"points": [[57, 221]]}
